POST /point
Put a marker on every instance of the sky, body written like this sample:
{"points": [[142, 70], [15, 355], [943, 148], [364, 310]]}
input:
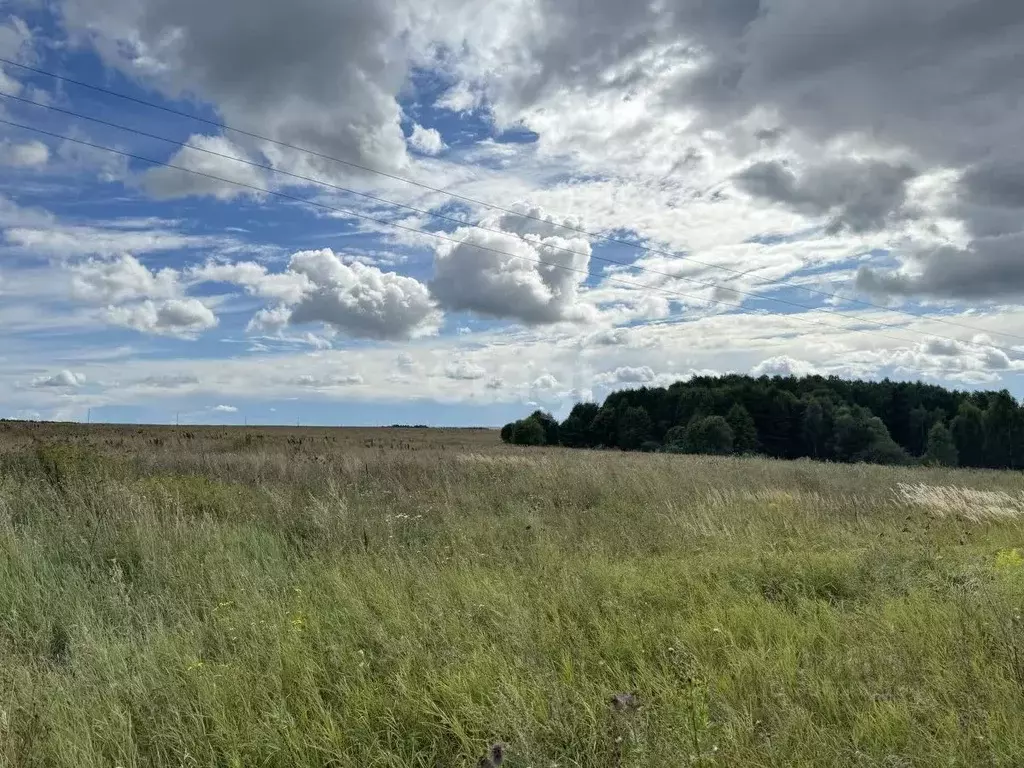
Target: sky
{"points": [[453, 212]]}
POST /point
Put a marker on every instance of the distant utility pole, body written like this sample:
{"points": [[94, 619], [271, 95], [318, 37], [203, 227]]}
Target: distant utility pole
{"points": [[177, 419], [88, 418]]}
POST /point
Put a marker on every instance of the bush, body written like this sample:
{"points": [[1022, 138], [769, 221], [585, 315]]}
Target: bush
{"points": [[884, 452], [549, 424], [675, 437], [528, 432], [709, 435], [859, 435], [507, 431]]}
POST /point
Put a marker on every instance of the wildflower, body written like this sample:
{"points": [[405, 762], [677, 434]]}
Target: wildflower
{"points": [[1007, 559]]}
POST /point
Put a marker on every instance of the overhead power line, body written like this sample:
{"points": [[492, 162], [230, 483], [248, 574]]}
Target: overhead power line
{"points": [[491, 206], [447, 238], [460, 222]]}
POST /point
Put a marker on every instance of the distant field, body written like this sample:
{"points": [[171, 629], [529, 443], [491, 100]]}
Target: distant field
{"points": [[209, 596], [15, 435]]}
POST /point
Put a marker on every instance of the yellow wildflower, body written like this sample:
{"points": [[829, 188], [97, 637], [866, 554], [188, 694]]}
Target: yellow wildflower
{"points": [[1009, 559]]}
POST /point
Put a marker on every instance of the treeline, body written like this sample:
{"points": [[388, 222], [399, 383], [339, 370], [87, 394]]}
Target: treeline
{"points": [[830, 419]]}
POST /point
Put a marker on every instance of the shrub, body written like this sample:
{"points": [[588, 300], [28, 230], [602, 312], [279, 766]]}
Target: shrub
{"points": [[528, 432], [709, 435], [861, 436], [675, 436], [884, 452], [549, 424]]}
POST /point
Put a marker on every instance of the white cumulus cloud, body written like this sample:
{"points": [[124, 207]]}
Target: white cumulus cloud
{"points": [[519, 274], [319, 287], [783, 365], [458, 98], [183, 318], [125, 278], [15, 44], [426, 140], [64, 379], [464, 370], [643, 374], [31, 154], [168, 183], [323, 75]]}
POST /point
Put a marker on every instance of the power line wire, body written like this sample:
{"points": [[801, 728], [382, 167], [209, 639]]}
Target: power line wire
{"points": [[460, 222], [455, 241], [491, 206]]}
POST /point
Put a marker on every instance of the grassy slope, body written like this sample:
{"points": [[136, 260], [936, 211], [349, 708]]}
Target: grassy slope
{"points": [[384, 599]]}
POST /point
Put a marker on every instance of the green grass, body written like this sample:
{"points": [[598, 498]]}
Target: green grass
{"points": [[211, 601]]}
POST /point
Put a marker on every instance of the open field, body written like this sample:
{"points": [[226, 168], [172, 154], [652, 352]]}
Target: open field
{"points": [[282, 597]]}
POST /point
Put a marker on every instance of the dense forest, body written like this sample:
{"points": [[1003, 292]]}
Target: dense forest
{"points": [[830, 419]]}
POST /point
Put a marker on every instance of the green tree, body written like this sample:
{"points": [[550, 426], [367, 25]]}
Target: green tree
{"points": [[604, 429], [999, 425], [815, 429], [744, 432], [507, 431], [550, 425], [675, 436], [884, 452], [528, 432], [862, 436], [691, 401], [919, 422], [634, 428], [969, 435], [575, 431], [778, 423], [941, 450], [827, 418], [710, 435]]}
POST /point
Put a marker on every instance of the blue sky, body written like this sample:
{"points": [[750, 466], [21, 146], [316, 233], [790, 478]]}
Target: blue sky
{"points": [[764, 204]]}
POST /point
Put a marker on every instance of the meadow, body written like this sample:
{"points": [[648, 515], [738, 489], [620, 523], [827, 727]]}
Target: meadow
{"points": [[403, 597]]}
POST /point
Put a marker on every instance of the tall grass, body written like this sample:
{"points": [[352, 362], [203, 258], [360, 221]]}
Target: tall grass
{"points": [[207, 602]]}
